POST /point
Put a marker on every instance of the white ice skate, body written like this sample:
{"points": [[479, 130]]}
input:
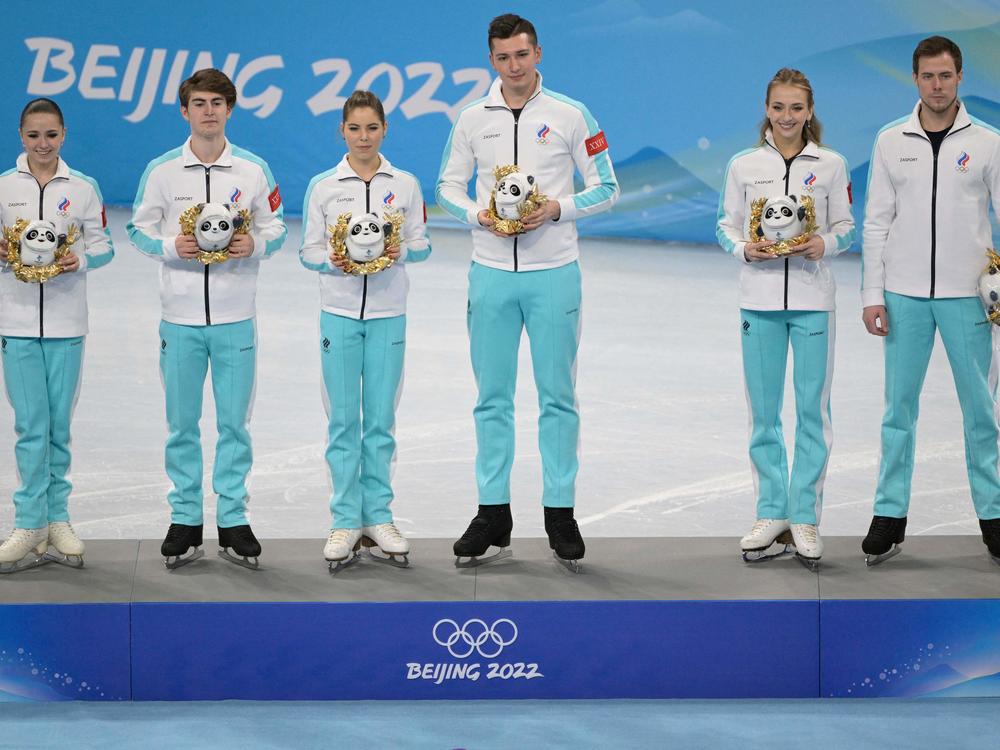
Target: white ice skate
{"points": [[765, 532], [341, 548], [24, 548], [393, 546], [65, 546], [808, 545]]}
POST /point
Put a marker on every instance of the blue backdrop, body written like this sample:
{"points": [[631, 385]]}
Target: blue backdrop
{"points": [[677, 89]]}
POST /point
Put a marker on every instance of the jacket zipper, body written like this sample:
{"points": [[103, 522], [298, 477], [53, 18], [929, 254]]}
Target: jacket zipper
{"points": [[41, 287], [934, 221], [208, 199], [516, 117], [368, 210], [934, 181], [788, 174]]}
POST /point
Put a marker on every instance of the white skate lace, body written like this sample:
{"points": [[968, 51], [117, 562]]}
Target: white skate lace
{"points": [[339, 536], [62, 529], [759, 526], [389, 530], [19, 536], [808, 532]]}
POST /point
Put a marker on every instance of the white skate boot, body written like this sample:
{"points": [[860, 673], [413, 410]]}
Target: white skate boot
{"points": [[808, 545], [24, 548], [65, 546], [385, 537], [340, 549], [765, 532]]}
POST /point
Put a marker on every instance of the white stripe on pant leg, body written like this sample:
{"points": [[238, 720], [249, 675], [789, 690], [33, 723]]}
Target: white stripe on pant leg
{"points": [[6, 392], [994, 376], [72, 410], [753, 466], [576, 359], [395, 406], [824, 406]]}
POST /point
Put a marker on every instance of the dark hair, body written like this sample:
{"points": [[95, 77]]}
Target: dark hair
{"points": [[41, 105], [933, 46], [813, 129], [211, 80], [364, 99], [509, 25]]}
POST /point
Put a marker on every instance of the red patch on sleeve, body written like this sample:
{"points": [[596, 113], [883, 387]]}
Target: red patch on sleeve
{"points": [[425, 213], [274, 199], [596, 144], [104, 217], [850, 196]]}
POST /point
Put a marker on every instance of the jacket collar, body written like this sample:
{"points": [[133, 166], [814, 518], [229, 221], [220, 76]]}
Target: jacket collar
{"points": [[189, 159], [810, 150], [344, 171], [495, 96], [62, 169], [913, 125]]}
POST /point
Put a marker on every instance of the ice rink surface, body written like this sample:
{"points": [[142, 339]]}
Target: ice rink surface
{"points": [[664, 419]]}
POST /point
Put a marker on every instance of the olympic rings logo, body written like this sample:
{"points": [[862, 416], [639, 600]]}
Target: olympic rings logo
{"points": [[475, 635]]}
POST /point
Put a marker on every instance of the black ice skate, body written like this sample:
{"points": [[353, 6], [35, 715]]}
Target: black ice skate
{"points": [[490, 528], [991, 536], [181, 545], [243, 543], [564, 537], [884, 540]]}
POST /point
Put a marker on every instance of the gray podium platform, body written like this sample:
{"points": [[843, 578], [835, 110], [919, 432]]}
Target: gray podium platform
{"points": [[646, 618], [663, 569]]}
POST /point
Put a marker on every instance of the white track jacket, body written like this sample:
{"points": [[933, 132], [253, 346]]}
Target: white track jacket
{"points": [[192, 293], [339, 191], [793, 283], [552, 137], [57, 308], [927, 223]]}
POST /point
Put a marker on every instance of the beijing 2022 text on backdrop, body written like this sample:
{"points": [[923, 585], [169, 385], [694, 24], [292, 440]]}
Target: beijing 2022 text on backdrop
{"points": [[677, 87]]}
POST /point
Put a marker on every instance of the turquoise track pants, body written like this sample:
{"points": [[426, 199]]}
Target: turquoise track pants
{"points": [[362, 378], [185, 354], [547, 305], [766, 336], [42, 378], [967, 336]]}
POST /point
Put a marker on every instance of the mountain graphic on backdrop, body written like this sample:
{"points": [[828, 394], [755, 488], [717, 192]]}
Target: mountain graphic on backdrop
{"points": [[987, 686], [660, 200]]}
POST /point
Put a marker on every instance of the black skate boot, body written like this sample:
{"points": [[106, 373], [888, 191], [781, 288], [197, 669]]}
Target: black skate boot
{"points": [[179, 541], [490, 528], [884, 540], [564, 537], [991, 536], [243, 543]]}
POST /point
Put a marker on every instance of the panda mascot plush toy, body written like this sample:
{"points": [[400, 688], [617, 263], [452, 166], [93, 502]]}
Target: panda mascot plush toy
{"points": [[215, 227], [511, 193], [365, 238], [782, 218], [39, 241], [989, 290]]}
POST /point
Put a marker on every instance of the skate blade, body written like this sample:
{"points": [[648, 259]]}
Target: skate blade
{"points": [[809, 563], [395, 559], [33, 560], [335, 566], [872, 560], [762, 555], [573, 566], [70, 561], [179, 561], [475, 562], [250, 563]]}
